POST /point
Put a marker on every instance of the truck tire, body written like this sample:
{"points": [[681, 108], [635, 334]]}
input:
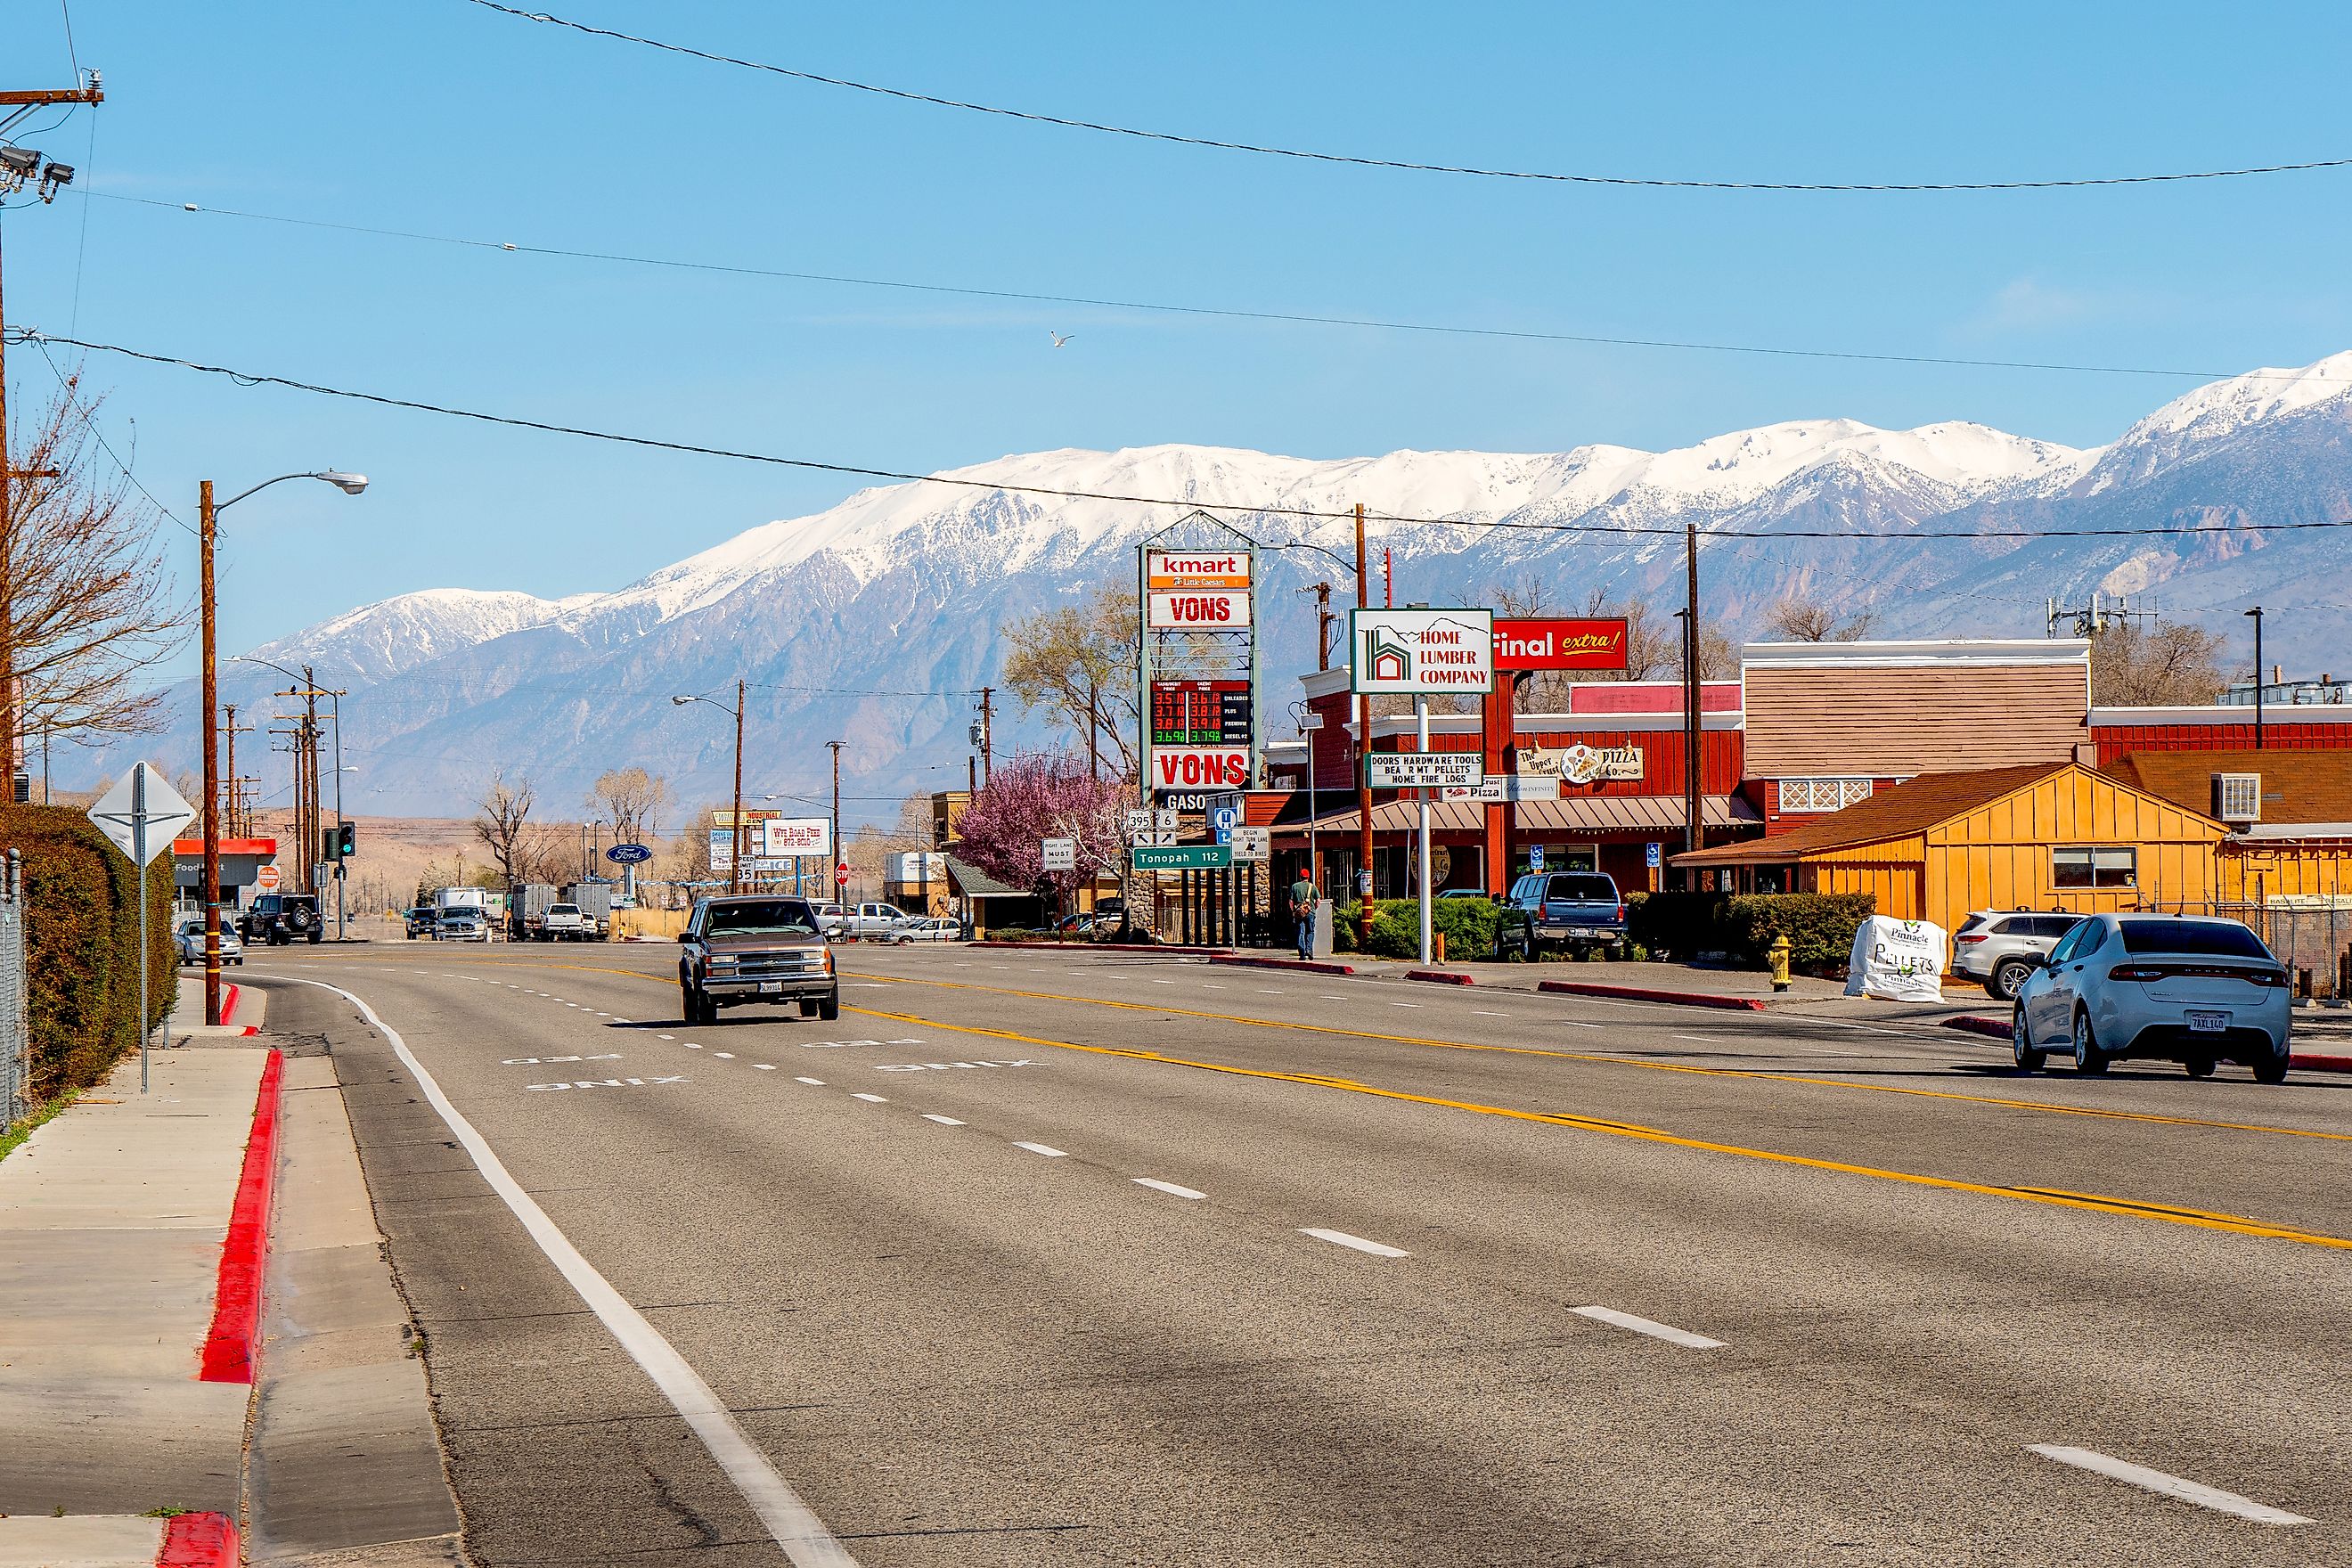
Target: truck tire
{"points": [[829, 1008]]}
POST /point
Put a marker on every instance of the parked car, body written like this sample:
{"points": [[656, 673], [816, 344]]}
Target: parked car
{"points": [[871, 920], [565, 922], [829, 918], [1576, 911], [2177, 988], [463, 923], [420, 921], [2001, 949], [748, 948], [938, 929], [1461, 892], [188, 931], [275, 920]]}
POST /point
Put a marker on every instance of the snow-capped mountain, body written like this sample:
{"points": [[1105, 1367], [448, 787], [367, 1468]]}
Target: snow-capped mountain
{"points": [[871, 621]]}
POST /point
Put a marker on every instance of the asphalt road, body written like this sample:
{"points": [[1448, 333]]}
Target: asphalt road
{"points": [[1036, 1258]]}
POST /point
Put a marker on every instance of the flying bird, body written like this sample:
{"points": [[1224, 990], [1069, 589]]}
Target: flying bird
{"points": [[1060, 337]]}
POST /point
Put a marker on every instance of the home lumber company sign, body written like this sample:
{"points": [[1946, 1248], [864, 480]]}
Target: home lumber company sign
{"points": [[1421, 650]]}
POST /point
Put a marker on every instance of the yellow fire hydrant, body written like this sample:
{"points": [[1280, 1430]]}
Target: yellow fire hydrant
{"points": [[1778, 956]]}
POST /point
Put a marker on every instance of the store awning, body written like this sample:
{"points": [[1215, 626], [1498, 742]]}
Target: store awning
{"points": [[1659, 815]]}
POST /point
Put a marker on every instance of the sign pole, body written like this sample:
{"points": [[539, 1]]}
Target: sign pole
{"points": [[139, 855], [1421, 718]]}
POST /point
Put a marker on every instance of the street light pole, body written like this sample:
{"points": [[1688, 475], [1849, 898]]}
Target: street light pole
{"points": [[339, 815], [735, 882], [2257, 614], [839, 849]]}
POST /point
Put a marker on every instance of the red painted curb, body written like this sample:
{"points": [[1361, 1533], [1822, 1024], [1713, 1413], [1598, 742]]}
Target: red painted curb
{"points": [[1441, 976], [2321, 1064], [230, 995], [1976, 1024], [1110, 947], [1305, 965], [228, 1350], [1643, 994], [198, 1541]]}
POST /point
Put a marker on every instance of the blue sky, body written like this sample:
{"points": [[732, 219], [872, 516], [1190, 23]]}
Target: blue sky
{"points": [[437, 115]]}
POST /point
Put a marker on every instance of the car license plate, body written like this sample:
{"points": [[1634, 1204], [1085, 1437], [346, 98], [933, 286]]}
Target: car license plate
{"points": [[2208, 1023], [772, 987], [1585, 930]]}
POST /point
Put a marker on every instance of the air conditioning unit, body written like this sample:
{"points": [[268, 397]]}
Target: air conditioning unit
{"points": [[2238, 797]]}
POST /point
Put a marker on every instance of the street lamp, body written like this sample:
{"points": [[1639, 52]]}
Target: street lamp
{"points": [[207, 514], [735, 871]]}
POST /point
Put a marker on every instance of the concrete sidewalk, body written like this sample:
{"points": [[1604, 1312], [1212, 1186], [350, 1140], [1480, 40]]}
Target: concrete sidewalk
{"points": [[244, 1009]]}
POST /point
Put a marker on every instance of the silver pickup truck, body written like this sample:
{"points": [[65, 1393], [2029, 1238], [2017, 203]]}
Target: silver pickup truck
{"points": [[1575, 911]]}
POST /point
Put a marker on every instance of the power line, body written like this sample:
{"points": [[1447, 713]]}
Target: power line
{"points": [[1596, 530], [1159, 307], [1855, 187]]}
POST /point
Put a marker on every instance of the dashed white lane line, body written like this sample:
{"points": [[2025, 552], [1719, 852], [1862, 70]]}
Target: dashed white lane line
{"points": [[1476, 1014], [1158, 982], [1576, 1023], [1673, 1336], [1404, 1003], [765, 1067], [618, 1019], [818, 1081], [943, 1120], [1329, 997], [664, 1037], [1264, 991], [690, 1046], [724, 1055], [1700, 1039], [870, 1098], [1170, 1188], [1341, 1238], [1045, 1149], [2165, 1485]]}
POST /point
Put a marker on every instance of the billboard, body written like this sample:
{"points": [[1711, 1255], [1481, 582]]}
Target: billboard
{"points": [[784, 837], [1196, 569], [1424, 770], [723, 851], [1584, 643], [1422, 651], [1200, 767], [1196, 590]]}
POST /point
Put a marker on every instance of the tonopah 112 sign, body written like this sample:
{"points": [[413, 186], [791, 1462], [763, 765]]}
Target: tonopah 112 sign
{"points": [[1579, 644]]}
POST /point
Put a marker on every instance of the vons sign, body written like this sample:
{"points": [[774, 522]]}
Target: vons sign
{"points": [[1200, 767], [1194, 590]]}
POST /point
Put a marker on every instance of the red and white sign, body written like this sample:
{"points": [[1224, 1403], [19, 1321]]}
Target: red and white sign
{"points": [[1583, 644], [787, 838], [1197, 569], [841, 872], [1200, 610], [1200, 767], [268, 878]]}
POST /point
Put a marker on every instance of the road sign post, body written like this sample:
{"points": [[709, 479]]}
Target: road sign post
{"points": [[140, 815]]}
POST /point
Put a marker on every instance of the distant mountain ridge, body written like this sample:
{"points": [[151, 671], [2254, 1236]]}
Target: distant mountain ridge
{"points": [[902, 589]]}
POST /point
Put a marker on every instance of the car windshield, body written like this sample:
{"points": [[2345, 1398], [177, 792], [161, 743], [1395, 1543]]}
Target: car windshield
{"points": [[764, 917], [2220, 939]]}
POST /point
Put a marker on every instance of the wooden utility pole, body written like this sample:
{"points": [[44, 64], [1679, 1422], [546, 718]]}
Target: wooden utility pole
{"points": [[23, 101], [840, 850], [1364, 762], [1693, 834], [212, 823], [987, 733], [1323, 619], [735, 876]]}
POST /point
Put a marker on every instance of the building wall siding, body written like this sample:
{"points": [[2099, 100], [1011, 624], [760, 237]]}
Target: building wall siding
{"points": [[1904, 721], [2116, 741]]}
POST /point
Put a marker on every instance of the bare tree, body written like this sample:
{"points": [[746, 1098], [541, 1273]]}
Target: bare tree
{"points": [[1077, 662], [629, 798], [85, 603], [1802, 619], [503, 822], [2164, 665]]}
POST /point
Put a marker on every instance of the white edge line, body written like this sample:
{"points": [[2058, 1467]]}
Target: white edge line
{"points": [[1673, 1336], [1170, 1188], [1341, 1238], [2165, 1485], [791, 1525], [1045, 1149]]}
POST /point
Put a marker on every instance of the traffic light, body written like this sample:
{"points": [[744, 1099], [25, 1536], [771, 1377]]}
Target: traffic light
{"points": [[346, 841]]}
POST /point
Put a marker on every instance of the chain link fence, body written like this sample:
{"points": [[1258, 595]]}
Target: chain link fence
{"points": [[15, 1013]]}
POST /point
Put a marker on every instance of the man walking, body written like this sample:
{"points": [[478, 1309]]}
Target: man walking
{"points": [[1303, 899]]}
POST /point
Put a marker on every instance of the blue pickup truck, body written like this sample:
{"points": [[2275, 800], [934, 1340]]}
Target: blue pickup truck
{"points": [[1574, 911]]}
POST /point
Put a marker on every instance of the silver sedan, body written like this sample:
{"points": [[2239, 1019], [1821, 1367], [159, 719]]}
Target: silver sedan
{"points": [[2180, 988], [188, 935]]}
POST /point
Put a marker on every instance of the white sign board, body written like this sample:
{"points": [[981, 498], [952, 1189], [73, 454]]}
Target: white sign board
{"points": [[1586, 764], [722, 850], [1252, 845], [1200, 767], [1421, 650], [1060, 854], [1897, 961], [141, 813], [1139, 821], [784, 837], [1501, 788], [1201, 610], [1425, 770]]}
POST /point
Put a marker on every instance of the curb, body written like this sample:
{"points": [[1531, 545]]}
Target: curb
{"points": [[199, 1540], [1111, 947], [1441, 976], [1644, 994], [228, 1349], [1304, 965], [231, 995], [1976, 1024]]}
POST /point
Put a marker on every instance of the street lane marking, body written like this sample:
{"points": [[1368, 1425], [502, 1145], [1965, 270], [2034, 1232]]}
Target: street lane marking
{"points": [[1701, 1039], [870, 1098], [1476, 1014], [943, 1120], [1341, 1238], [1170, 1188], [1404, 1003], [765, 1067], [1045, 1149], [791, 1524], [818, 1081], [2165, 1485], [722, 1056], [1673, 1336], [2093, 1201]]}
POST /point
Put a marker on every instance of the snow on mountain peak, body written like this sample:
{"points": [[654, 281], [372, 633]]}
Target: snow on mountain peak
{"points": [[2221, 407], [379, 640]]}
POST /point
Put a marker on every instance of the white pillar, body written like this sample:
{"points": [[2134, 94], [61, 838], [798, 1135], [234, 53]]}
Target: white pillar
{"points": [[1428, 943]]}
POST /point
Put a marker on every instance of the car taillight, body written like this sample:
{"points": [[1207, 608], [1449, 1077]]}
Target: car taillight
{"points": [[2268, 977], [2138, 971], [1621, 912], [1965, 939]]}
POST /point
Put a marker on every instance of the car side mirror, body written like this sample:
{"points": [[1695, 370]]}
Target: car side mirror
{"points": [[686, 936]]}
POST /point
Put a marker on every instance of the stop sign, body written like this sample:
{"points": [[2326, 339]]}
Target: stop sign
{"points": [[268, 878], [841, 872]]}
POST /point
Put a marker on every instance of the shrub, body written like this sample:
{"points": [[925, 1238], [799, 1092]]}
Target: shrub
{"points": [[1681, 925], [1468, 925], [81, 939], [1819, 926]]}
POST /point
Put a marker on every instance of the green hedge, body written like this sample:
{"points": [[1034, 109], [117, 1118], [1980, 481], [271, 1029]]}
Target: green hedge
{"points": [[81, 918], [1468, 925], [1819, 926]]}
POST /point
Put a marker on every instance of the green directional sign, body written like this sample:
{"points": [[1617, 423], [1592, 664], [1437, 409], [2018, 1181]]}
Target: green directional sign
{"points": [[1184, 858]]}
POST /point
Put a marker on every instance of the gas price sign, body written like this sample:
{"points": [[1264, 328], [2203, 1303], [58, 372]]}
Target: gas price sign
{"points": [[1200, 713]]}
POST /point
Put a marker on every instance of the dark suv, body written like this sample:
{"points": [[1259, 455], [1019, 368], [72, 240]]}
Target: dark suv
{"points": [[276, 919], [755, 948]]}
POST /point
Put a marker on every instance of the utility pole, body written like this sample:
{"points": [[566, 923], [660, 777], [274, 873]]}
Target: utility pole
{"points": [[840, 850], [210, 887], [735, 875], [2257, 614], [21, 101], [1323, 619], [1094, 739], [987, 733], [1364, 761], [1693, 835]]}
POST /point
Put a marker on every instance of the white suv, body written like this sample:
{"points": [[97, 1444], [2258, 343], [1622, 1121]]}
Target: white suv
{"points": [[2002, 948]]}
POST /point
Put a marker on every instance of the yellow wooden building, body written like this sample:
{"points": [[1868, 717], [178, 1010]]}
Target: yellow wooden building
{"points": [[2041, 836]]}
